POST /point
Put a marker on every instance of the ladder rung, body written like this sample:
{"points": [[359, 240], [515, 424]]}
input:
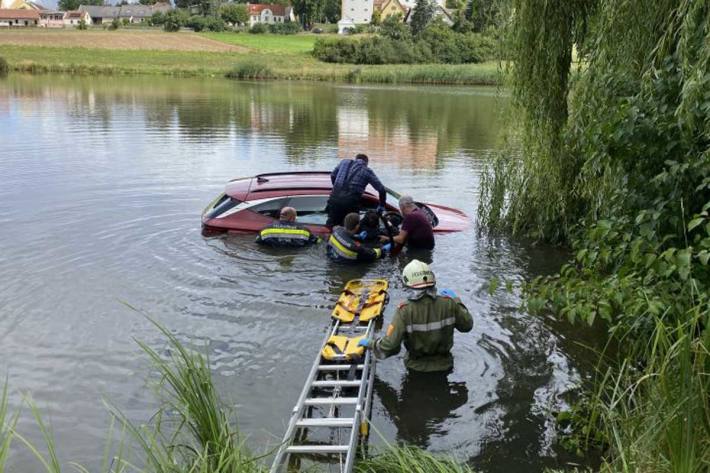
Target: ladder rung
{"points": [[321, 401], [326, 422], [338, 367], [318, 449], [330, 384]]}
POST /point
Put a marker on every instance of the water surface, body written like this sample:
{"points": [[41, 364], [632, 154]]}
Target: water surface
{"points": [[102, 181]]}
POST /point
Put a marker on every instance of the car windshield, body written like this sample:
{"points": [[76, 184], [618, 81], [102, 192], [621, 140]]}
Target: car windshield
{"points": [[393, 198]]}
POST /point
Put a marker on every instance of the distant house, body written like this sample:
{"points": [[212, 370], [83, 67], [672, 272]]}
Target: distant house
{"points": [[21, 18], [21, 5], [389, 8], [51, 19], [133, 13], [73, 18], [353, 13], [440, 12], [269, 13]]}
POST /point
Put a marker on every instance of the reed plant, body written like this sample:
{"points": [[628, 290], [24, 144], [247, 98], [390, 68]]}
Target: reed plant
{"points": [[410, 459], [4, 67]]}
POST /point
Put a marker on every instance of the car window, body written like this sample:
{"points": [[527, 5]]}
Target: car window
{"points": [[270, 208], [310, 208]]}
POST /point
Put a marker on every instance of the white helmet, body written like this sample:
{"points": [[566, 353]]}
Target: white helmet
{"points": [[417, 275]]}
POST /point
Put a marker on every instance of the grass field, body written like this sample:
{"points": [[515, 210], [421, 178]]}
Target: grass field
{"points": [[285, 57], [270, 43], [121, 39]]}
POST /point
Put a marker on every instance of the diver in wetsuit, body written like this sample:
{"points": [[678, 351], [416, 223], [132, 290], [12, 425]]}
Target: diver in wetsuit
{"points": [[286, 232], [343, 248]]}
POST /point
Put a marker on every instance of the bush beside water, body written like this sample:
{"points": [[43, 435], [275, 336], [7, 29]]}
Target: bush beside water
{"points": [[437, 44], [251, 70]]}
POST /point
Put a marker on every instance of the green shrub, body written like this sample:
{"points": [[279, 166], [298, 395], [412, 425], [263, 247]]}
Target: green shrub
{"points": [[158, 19], [251, 70], [258, 28], [115, 24], [395, 45], [82, 25], [4, 67], [175, 19], [214, 24], [197, 23], [289, 27]]}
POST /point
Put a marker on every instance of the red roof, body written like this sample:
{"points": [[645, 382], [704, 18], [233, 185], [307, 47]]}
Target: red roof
{"points": [[75, 14], [256, 8], [7, 14]]}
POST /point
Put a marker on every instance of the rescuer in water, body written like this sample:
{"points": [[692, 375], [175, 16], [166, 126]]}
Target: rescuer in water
{"points": [[425, 322], [343, 247], [350, 178], [369, 230], [416, 230], [286, 232]]}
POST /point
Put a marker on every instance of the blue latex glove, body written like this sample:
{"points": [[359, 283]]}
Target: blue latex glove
{"points": [[387, 247], [380, 209], [364, 342], [362, 235], [448, 293]]}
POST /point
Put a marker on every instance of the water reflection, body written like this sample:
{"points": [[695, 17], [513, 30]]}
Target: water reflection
{"points": [[387, 123], [425, 403]]}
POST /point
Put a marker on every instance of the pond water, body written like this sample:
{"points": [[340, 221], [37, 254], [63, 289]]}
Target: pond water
{"points": [[102, 182]]}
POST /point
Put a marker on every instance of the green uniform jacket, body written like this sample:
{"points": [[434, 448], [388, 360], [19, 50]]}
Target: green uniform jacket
{"points": [[426, 326]]}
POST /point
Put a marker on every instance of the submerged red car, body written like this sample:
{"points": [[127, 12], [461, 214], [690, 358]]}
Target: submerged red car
{"points": [[251, 203]]}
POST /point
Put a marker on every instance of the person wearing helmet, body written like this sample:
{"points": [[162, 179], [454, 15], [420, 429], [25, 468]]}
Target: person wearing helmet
{"points": [[286, 232], [343, 248], [425, 322]]}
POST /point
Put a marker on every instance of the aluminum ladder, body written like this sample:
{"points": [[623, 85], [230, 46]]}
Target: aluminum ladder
{"points": [[336, 398]]}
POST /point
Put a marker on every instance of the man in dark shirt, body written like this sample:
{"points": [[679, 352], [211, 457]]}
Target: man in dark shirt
{"points": [[350, 178], [416, 231]]}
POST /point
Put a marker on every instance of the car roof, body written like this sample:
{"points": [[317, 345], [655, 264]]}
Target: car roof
{"points": [[279, 181]]}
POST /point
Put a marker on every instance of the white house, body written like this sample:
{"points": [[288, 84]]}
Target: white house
{"points": [[51, 19], [18, 18], [269, 13], [73, 18], [353, 13]]}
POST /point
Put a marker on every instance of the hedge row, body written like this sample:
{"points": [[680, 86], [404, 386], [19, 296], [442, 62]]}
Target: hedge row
{"points": [[437, 44]]}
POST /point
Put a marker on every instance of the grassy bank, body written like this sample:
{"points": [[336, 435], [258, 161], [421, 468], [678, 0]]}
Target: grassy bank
{"points": [[285, 57], [193, 432]]}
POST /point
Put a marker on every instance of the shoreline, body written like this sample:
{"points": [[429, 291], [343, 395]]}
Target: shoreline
{"points": [[270, 66]]}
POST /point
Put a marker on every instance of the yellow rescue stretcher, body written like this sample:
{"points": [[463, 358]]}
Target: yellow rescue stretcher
{"points": [[361, 303]]}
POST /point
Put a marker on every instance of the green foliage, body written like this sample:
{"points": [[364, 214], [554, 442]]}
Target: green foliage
{"points": [[331, 11], [115, 24], [157, 19], [288, 27], [410, 459], [4, 67], [482, 14], [251, 70], [82, 25], [394, 28], [258, 28], [617, 162], [147, 2], [395, 45], [236, 14], [422, 14], [67, 5], [197, 23], [175, 19]]}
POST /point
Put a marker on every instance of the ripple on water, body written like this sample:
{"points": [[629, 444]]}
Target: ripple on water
{"points": [[103, 182]]}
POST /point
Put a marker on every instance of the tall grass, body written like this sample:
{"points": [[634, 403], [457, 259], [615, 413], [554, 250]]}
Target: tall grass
{"points": [[657, 416], [4, 67], [410, 460]]}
